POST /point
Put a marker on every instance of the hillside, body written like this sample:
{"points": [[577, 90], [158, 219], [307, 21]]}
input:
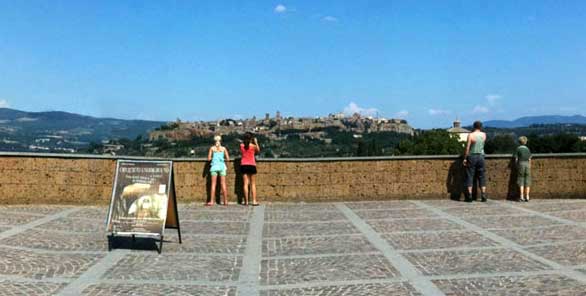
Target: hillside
{"points": [[532, 120], [56, 130]]}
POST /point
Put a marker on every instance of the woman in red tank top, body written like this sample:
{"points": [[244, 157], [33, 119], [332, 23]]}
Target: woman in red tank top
{"points": [[249, 148]]}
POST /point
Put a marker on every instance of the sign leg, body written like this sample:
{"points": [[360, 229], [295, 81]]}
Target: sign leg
{"points": [[161, 245]]}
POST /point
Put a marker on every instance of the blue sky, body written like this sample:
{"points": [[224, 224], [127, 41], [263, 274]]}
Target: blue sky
{"points": [[427, 61]]}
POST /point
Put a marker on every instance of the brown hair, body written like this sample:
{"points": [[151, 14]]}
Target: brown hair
{"points": [[247, 138], [477, 125]]}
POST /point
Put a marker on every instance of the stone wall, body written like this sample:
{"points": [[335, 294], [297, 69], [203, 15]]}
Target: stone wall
{"points": [[31, 178]]}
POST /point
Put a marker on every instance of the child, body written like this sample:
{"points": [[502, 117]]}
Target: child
{"points": [[218, 155], [523, 159]]}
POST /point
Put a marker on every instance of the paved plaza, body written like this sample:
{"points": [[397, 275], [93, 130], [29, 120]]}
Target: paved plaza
{"points": [[433, 247]]}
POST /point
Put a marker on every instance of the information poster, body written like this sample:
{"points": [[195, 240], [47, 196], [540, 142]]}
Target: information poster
{"points": [[140, 197]]}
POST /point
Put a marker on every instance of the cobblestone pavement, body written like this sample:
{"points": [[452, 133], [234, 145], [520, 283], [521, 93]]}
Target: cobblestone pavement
{"points": [[435, 247]]}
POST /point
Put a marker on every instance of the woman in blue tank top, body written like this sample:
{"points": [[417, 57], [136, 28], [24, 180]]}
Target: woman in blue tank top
{"points": [[217, 156]]}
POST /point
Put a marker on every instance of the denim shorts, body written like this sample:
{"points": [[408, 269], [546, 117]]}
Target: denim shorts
{"points": [[222, 173], [474, 169]]}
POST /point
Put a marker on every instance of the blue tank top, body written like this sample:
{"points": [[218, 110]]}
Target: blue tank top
{"points": [[218, 163]]}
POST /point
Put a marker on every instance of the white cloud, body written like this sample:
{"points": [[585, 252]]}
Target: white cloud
{"points": [[480, 109], [280, 8], [402, 114], [440, 112], [329, 18], [354, 108], [4, 104], [492, 99]]}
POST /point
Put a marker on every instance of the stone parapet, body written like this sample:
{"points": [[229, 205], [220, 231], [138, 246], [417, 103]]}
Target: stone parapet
{"points": [[87, 179]]}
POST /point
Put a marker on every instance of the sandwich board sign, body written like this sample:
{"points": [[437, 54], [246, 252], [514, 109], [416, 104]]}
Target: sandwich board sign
{"points": [[143, 200]]}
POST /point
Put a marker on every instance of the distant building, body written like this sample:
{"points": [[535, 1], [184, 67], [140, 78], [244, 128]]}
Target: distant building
{"points": [[458, 131]]}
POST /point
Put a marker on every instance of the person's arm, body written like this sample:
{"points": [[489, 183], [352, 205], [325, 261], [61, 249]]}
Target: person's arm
{"points": [[226, 154], [256, 146], [210, 154], [467, 151]]}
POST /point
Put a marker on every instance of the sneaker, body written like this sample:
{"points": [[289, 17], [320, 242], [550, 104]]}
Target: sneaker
{"points": [[467, 197], [483, 197]]}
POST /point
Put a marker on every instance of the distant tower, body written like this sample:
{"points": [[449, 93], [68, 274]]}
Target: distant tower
{"points": [[267, 116], [278, 115], [457, 123]]}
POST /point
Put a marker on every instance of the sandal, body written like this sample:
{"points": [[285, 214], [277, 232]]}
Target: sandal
{"points": [[255, 204], [209, 204]]}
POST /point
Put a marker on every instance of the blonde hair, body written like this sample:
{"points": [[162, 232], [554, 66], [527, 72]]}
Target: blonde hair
{"points": [[218, 139], [523, 140]]}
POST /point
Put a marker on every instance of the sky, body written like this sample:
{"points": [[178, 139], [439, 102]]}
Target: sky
{"points": [[429, 62]]}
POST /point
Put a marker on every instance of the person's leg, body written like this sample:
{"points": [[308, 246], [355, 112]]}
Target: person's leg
{"points": [[482, 177], [253, 189], [521, 181], [224, 189], [527, 182], [245, 180], [213, 190], [469, 178], [521, 190]]}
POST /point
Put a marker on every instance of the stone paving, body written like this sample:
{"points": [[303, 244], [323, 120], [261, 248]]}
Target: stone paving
{"points": [[434, 247]]}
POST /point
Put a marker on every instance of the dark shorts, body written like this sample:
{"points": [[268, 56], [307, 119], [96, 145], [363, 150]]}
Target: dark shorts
{"points": [[248, 169], [475, 169]]}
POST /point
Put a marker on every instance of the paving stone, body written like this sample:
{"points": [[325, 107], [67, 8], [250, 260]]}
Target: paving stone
{"points": [[93, 213], [75, 225], [14, 219], [326, 250], [534, 236], [448, 203], [569, 254], [542, 285], [170, 267], [381, 205], [316, 245], [40, 266], [320, 207], [232, 207], [576, 216], [476, 211], [337, 268], [555, 206], [10, 288], [206, 244], [57, 241], [40, 210], [303, 216], [240, 216], [437, 240], [386, 226], [504, 222], [477, 261], [390, 289], [156, 290], [230, 228], [307, 229], [395, 214]]}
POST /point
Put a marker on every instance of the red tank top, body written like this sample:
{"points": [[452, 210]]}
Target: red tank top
{"points": [[247, 155]]}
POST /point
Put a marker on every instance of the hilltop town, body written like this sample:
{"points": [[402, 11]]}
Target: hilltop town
{"points": [[279, 127]]}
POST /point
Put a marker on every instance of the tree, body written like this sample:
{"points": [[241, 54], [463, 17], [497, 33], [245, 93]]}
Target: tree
{"points": [[500, 144], [432, 142]]}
